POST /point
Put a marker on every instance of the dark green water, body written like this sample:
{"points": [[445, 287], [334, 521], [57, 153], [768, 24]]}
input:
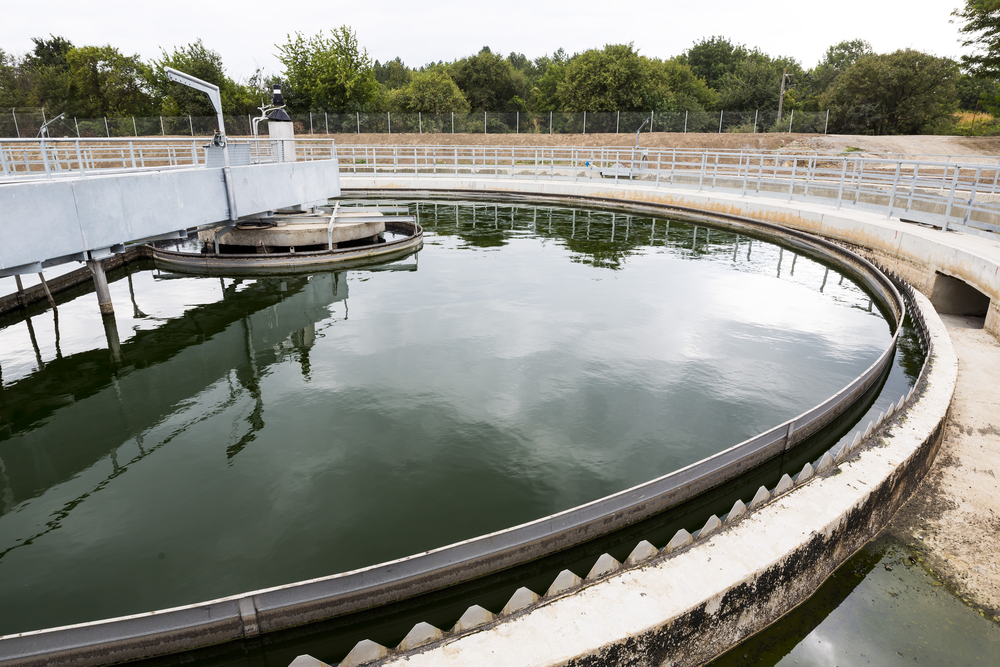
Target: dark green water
{"points": [[260, 432]]}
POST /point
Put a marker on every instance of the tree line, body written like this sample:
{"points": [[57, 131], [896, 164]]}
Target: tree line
{"points": [[904, 92]]}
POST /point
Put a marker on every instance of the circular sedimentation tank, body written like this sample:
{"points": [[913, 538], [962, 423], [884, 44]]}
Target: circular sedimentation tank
{"points": [[533, 359]]}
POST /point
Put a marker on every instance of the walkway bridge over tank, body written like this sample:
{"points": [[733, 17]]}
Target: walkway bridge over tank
{"points": [[85, 200]]}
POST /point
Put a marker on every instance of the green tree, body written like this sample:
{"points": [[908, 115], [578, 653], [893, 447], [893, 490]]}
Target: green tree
{"points": [[46, 72], [105, 82], [713, 58], [431, 91], [755, 83], [328, 73], [906, 92], [197, 60], [488, 81], [835, 62], [981, 28], [615, 78], [17, 85], [392, 74], [976, 92]]}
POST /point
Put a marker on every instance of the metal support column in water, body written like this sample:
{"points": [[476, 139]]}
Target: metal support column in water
{"points": [[101, 286]]}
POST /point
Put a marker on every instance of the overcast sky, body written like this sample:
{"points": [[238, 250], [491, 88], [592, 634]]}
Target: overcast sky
{"points": [[422, 32]]}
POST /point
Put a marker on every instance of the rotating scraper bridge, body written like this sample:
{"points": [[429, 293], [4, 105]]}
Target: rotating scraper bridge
{"points": [[83, 200]]}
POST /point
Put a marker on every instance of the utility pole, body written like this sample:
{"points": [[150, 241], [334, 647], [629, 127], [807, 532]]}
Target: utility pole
{"points": [[781, 96]]}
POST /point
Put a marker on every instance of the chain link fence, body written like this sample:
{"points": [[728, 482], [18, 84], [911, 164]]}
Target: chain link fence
{"points": [[28, 124]]}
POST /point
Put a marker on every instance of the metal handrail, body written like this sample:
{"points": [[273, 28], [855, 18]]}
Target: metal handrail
{"points": [[941, 193]]}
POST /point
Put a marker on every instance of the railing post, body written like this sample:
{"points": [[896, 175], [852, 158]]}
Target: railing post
{"points": [[791, 181], [913, 186], [840, 190], [892, 193], [704, 165], [972, 197], [3, 159], [45, 159], [746, 172], [131, 150]]}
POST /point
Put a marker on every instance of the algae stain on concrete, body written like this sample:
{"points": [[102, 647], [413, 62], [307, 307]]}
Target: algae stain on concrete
{"points": [[882, 607]]}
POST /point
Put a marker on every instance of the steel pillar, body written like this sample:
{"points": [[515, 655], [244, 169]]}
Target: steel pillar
{"points": [[101, 286]]}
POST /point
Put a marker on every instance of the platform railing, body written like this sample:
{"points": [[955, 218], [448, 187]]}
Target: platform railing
{"points": [[33, 159], [944, 194]]}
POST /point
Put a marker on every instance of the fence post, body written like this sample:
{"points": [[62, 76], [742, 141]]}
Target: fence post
{"points": [[359, 121], [326, 122], [388, 118], [720, 121], [757, 111], [135, 130], [585, 122], [190, 124], [791, 119], [618, 122], [484, 122], [827, 126], [685, 123], [310, 122], [420, 123], [652, 115], [453, 122], [16, 129], [550, 124], [77, 123]]}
